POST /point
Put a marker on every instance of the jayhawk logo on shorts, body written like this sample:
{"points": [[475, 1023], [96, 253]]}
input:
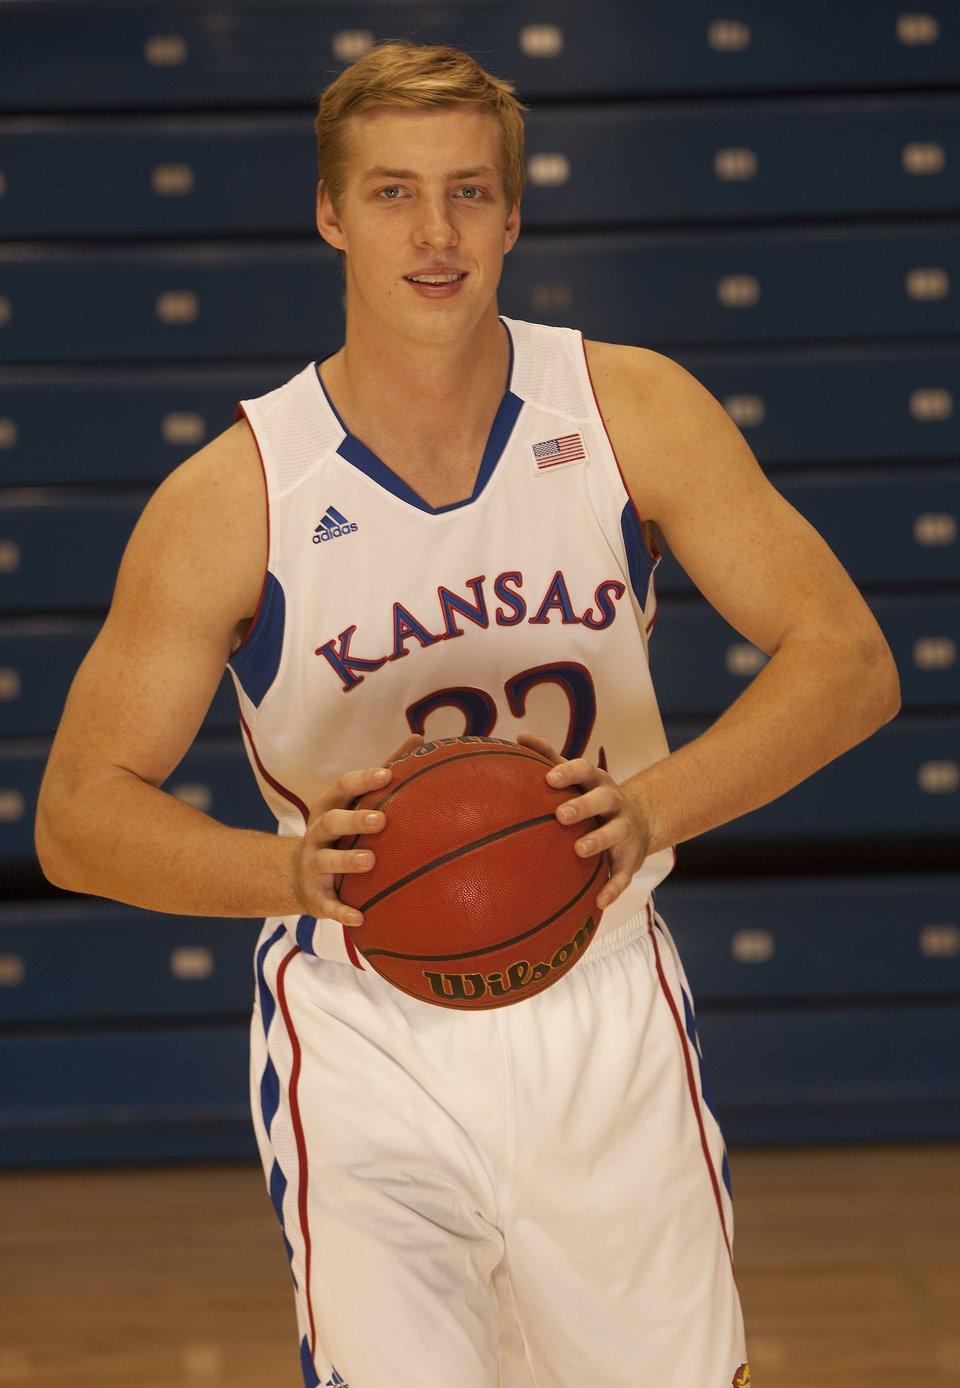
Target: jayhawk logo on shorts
{"points": [[741, 1378]]}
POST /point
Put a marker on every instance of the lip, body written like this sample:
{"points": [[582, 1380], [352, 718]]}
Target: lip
{"points": [[437, 270], [437, 291]]}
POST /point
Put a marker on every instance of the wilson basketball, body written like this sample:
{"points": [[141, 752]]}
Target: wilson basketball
{"points": [[477, 898]]}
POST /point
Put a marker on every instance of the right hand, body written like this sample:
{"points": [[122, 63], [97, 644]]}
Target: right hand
{"points": [[318, 861]]}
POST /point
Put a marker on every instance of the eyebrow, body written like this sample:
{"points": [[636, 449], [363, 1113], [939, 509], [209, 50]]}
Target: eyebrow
{"points": [[480, 171]]}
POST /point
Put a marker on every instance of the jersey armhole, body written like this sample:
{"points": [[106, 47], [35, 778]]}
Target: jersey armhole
{"points": [[242, 413], [651, 556]]}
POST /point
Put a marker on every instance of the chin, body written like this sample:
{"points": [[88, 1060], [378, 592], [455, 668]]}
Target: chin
{"points": [[449, 323]]}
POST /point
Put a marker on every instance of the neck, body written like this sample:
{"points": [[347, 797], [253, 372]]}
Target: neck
{"points": [[382, 379]]}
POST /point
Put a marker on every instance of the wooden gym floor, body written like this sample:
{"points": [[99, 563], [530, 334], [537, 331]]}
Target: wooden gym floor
{"points": [[848, 1262]]}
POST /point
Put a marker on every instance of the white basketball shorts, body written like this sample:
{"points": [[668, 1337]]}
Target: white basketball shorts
{"points": [[530, 1197]]}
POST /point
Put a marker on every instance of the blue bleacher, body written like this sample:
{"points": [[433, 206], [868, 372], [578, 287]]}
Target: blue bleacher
{"points": [[787, 968], [895, 410], [686, 288], [282, 52], [598, 165], [700, 663], [770, 198]]}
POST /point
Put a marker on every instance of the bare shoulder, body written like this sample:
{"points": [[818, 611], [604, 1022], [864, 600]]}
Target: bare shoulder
{"points": [[616, 359], [201, 539], [225, 473], [666, 427], [644, 384]]}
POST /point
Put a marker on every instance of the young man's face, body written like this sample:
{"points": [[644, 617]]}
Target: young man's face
{"points": [[423, 198]]}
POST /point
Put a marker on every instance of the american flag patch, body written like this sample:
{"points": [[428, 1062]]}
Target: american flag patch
{"points": [[552, 452]]}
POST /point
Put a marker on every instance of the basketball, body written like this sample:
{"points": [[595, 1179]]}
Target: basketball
{"points": [[477, 898]]}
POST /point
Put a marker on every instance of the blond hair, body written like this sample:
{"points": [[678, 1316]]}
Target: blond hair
{"points": [[405, 76]]}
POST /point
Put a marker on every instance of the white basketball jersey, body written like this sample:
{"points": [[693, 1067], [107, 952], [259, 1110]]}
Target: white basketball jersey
{"points": [[526, 606]]}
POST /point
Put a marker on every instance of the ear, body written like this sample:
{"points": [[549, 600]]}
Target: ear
{"points": [[511, 229], [328, 223]]}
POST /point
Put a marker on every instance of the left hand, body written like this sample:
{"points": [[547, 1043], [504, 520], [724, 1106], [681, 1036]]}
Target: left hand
{"points": [[623, 832]]}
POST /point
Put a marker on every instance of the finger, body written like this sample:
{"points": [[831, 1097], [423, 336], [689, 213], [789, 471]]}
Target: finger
{"points": [[351, 785], [329, 862], [339, 824], [322, 873], [578, 772], [407, 745], [323, 903], [539, 744], [596, 803], [615, 885], [598, 839]]}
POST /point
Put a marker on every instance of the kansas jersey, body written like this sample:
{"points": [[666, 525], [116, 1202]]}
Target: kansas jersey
{"points": [[528, 605]]}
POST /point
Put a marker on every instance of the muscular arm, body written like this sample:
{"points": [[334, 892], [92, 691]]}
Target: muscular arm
{"points": [[191, 573], [830, 681]]}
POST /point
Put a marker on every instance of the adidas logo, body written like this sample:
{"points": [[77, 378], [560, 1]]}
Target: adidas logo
{"points": [[332, 526], [336, 1381]]}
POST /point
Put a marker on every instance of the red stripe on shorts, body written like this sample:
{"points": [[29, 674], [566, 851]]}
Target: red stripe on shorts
{"points": [[351, 949], [295, 1119], [691, 1082]]}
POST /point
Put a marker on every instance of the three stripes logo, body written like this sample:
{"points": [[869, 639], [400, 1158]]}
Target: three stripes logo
{"points": [[336, 1381], [332, 526], [568, 448]]}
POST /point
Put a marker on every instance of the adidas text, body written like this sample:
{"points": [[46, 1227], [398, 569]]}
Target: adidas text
{"points": [[334, 533], [332, 526]]}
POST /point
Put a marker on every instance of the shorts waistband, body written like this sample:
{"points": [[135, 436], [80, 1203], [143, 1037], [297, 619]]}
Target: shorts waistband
{"points": [[617, 936], [328, 939]]}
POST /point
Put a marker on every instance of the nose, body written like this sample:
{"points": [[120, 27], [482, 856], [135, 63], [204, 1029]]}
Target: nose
{"points": [[435, 226]]}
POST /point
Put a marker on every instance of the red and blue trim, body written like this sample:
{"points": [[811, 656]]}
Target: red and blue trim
{"points": [[686, 1031], [257, 661], [361, 457], [271, 1002]]}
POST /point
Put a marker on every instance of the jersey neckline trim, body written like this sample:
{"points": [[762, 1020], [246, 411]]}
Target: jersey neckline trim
{"points": [[355, 452]]}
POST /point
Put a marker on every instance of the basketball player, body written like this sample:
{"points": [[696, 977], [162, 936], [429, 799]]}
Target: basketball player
{"points": [[448, 541]]}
